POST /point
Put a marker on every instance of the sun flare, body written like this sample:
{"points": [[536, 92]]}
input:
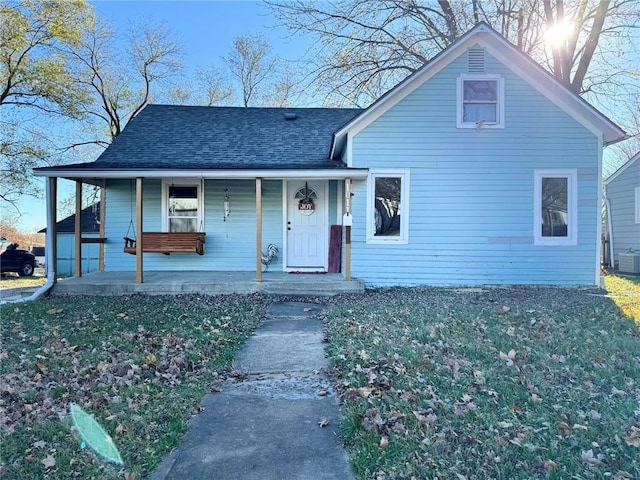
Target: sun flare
{"points": [[558, 33]]}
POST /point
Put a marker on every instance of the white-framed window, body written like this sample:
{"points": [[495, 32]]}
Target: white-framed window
{"points": [[388, 206], [555, 207], [637, 204], [182, 206], [480, 101]]}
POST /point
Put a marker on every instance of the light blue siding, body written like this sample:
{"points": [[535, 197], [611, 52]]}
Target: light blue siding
{"points": [[66, 263], [472, 192], [621, 196], [229, 244]]}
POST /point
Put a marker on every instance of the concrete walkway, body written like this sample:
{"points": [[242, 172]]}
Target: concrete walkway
{"points": [[268, 426]]}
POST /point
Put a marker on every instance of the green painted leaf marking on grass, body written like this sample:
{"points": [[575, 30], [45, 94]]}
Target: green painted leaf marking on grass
{"points": [[94, 435]]}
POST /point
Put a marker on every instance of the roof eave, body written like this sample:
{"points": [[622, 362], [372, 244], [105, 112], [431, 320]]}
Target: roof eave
{"points": [[98, 173]]}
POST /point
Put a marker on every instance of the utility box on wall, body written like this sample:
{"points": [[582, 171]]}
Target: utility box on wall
{"points": [[629, 263]]}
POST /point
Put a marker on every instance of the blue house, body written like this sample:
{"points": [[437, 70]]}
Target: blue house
{"points": [[480, 168], [90, 240], [622, 195]]}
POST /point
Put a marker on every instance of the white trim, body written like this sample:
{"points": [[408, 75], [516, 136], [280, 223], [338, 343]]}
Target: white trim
{"points": [[339, 204], [404, 176], [329, 174], [598, 218], [637, 190], [572, 208], [499, 123], [182, 182]]}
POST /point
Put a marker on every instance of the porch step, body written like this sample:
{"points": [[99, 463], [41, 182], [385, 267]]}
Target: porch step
{"points": [[209, 283]]}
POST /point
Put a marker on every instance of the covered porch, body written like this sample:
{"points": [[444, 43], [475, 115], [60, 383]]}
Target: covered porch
{"points": [[207, 283]]}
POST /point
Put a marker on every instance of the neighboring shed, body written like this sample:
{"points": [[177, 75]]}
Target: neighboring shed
{"points": [[622, 190], [90, 218]]}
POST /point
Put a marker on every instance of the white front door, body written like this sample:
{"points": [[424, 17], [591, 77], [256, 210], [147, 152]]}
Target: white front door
{"points": [[307, 225]]}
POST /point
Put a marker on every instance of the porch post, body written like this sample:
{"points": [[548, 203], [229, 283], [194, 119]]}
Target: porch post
{"points": [[52, 230], [103, 209], [258, 229], [139, 276], [347, 231], [78, 230]]}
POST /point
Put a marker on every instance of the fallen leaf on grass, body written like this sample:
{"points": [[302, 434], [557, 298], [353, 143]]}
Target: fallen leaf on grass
{"points": [[633, 440], [590, 458], [54, 311], [535, 398], [120, 429], [615, 391], [39, 444], [49, 462], [508, 357], [129, 476], [324, 422], [384, 442], [428, 419], [622, 474], [565, 428]]}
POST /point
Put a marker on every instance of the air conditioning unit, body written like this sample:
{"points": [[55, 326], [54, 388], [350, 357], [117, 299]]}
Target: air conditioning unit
{"points": [[629, 263]]}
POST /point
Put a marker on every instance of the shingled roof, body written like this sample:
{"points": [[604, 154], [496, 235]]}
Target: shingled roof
{"points": [[89, 216], [186, 137]]}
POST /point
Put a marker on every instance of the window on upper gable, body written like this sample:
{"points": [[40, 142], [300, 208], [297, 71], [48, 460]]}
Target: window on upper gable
{"points": [[182, 207], [480, 101], [388, 208], [555, 207]]}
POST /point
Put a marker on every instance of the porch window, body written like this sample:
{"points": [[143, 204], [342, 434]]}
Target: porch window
{"points": [[480, 101], [555, 208], [182, 207], [388, 207]]}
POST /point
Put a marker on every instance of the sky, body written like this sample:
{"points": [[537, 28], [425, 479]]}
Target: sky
{"points": [[206, 30]]}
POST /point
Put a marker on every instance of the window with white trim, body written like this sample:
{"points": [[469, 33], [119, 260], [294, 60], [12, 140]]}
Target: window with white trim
{"points": [[637, 204], [480, 101], [388, 207], [555, 207], [181, 207]]}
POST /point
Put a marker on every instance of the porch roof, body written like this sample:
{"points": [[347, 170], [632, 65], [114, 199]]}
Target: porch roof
{"points": [[198, 139]]}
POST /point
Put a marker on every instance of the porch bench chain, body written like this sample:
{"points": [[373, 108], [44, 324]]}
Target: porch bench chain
{"points": [[168, 242]]}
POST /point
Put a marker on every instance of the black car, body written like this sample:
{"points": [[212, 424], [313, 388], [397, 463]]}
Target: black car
{"points": [[15, 260]]}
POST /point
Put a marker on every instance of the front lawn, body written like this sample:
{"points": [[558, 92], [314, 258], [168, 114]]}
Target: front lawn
{"points": [[435, 383], [513, 383], [140, 365]]}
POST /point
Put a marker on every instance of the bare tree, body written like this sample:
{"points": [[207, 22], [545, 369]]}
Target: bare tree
{"points": [[120, 85], [250, 61], [364, 47], [214, 86]]}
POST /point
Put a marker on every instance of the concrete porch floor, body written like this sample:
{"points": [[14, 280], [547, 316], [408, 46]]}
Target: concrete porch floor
{"points": [[207, 283]]}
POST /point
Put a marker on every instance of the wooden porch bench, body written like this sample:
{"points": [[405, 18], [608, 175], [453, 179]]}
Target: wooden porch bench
{"points": [[168, 242]]}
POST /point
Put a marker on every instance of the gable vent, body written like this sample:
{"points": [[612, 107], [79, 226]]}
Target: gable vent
{"points": [[476, 60]]}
